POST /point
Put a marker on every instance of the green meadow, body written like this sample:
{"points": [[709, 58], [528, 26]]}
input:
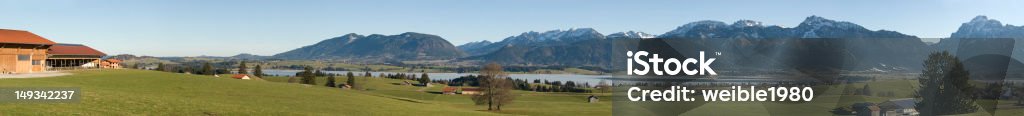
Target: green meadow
{"points": [[526, 103], [137, 92], [831, 98]]}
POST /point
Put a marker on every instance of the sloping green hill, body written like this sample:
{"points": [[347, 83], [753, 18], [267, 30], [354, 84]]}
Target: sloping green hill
{"points": [[128, 92]]}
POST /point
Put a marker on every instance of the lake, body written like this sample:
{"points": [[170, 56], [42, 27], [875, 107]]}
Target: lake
{"points": [[592, 79]]}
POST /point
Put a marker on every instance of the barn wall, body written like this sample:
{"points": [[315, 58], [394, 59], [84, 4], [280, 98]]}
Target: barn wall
{"points": [[9, 62]]}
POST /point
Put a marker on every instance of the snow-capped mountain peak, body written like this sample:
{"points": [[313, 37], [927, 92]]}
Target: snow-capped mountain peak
{"points": [[474, 45], [570, 35], [682, 30], [747, 23], [983, 21], [983, 27], [981, 18], [811, 27], [352, 36], [631, 34], [815, 21], [348, 38]]}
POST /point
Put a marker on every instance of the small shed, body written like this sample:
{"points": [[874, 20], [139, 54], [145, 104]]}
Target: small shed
{"points": [[471, 91], [903, 106], [346, 86], [593, 99], [241, 76]]}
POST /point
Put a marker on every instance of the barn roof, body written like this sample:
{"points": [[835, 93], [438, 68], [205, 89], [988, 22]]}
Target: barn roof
{"points": [[22, 37], [113, 60], [74, 49], [449, 89], [239, 76]]}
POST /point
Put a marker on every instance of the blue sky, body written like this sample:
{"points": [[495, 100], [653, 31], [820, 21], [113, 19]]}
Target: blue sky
{"points": [[267, 27]]}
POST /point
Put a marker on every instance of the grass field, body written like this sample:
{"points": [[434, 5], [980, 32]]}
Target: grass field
{"points": [[132, 92], [526, 103], [819, 106]]}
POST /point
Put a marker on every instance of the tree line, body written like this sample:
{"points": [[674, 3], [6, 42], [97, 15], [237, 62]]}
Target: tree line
{"points": [[204, 68]]}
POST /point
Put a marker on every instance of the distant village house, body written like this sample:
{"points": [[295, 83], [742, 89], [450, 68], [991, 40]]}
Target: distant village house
{"points": [[241, 76], [448, 90], [111, 64], [471, 91], [899, 107]]}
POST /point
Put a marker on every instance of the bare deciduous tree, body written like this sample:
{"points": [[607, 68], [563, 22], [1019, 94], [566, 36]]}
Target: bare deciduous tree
{"points": [[496, 89]]}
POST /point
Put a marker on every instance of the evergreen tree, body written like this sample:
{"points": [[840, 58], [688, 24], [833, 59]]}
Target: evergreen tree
{"points": [[424, 79], [308, 77], [944, 89], [242, 69], [257, 71], [351, 81], [330, 81]]}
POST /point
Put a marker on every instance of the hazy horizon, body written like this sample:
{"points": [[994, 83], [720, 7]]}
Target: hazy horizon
{"points": [[226, 28]]}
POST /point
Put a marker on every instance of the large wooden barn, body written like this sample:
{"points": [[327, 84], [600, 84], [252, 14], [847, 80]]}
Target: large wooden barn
{"points": [[22, 51], [25, 52]]}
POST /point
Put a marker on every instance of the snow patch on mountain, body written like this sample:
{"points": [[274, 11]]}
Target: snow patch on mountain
{"points": [[683, 30], [983, 27], [567, 36], [747, 23], [630, 34]]}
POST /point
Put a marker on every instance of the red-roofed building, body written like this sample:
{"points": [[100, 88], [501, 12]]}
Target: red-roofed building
{"points": [[448, 90], [75, 49], [22, 51], [25, 52], [111, 63], [22, 37], [241, 76], [73, 56]]}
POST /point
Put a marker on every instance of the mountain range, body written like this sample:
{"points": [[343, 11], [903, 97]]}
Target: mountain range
{"points": [[747, 43], [377, 48]]}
